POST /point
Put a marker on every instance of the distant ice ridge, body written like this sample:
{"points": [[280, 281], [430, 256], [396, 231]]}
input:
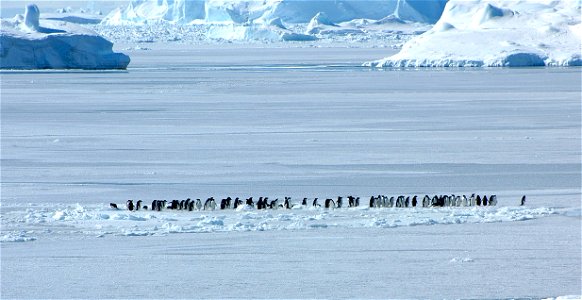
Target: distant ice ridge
{"points": [[28, 42], [261, 11], [99, 220], [278, 20], [497, 33]]}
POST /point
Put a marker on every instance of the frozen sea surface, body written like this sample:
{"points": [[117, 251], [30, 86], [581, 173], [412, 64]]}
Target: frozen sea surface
{"points": [[300, 122]]}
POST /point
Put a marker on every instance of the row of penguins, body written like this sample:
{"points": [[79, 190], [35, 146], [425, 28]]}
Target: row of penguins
{"points": [[264, 202]]}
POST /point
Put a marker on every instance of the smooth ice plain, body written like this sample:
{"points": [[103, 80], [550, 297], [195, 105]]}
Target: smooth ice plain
{"points": [[302, 122]]}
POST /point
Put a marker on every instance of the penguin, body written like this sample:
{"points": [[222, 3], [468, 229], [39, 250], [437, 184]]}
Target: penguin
{"points": [[407, 201], [372, 202], [414, 201], [155, 205], [273, 204], [485, 201], [357, 201], [250, 201], [478, 200], [522, 201], [328, 203], [138, 205], [265, 202], [237, 202], [198, 204], [210, 204], [493, 200], [379, 201], [113, 205], [174, 204], [315, 204], [286, 204], [262, 203], [130, 205], [181, 204], [304, 202], [351, 201], [426, 201]]}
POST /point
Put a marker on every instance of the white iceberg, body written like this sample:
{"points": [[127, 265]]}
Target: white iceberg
{"points": [[289, 11], [28, 42], [252, 20], [496, 33]]}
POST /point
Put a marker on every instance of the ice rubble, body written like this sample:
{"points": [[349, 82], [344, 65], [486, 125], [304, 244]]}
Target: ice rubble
{"points": [[99, 220], [28, 42], [265, 20], [497, 33]]}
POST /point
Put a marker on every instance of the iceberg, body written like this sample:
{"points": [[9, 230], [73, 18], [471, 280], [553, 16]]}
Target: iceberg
{"points": [[297, 20], [496, 33], [289, 11], [28, 42]]}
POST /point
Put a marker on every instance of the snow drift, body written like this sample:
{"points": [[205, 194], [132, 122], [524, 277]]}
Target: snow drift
{"points": [[289, 11], [497, 33], [28, 42]]}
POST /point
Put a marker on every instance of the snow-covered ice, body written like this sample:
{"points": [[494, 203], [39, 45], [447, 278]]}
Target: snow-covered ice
{"points": [[232, 120], [494, 33], [29, 42]]}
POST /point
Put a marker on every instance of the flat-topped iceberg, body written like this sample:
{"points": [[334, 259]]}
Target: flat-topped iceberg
{"points": [[28, 42], [496, 33]]}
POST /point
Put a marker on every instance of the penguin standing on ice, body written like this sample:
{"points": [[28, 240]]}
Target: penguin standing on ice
{"points": [[130, 205], [329, 203], [493, 200], [138, 205], [351, 201], [260, 203], [315, 204], [210, 204], [113, 205], [522, 200]]}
